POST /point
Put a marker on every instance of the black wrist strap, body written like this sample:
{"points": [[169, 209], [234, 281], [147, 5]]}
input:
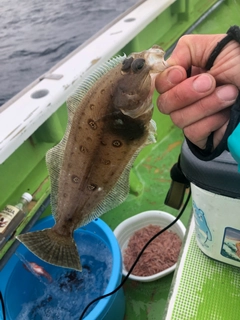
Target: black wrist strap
{"points": [[208, 153], [233, 33]]}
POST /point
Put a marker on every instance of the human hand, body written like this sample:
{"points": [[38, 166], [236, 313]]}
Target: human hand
{"points": [[200, 104]]}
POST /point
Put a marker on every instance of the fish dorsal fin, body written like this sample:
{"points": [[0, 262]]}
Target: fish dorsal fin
{"points": [[54, 157]]}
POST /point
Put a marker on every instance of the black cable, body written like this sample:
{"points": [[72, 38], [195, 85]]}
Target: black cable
{"points": [[3, 306], [138, 257]]}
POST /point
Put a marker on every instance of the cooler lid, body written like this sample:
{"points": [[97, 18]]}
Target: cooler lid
{"points": [[219, 175]]}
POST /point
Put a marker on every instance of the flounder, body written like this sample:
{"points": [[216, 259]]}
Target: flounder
{"points": [[109, 122]]}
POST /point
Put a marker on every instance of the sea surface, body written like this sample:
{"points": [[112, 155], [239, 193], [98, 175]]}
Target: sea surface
{"points": [[35, 35]]}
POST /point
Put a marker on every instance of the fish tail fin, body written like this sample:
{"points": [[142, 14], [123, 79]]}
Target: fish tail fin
{"points": [[52, 248]]}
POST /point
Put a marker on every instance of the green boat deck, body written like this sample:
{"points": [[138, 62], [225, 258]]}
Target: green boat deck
{"points": [[25, 171]]}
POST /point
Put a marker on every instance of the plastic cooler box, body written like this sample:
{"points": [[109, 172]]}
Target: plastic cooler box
{"points": [[215, 189]]}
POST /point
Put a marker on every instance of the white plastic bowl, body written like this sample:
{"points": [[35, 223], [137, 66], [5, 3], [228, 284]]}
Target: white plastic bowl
{"points": [[129, 226]]}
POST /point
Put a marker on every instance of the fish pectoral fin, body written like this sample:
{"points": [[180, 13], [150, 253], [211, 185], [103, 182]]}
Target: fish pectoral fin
{"points": [[53, 248]]}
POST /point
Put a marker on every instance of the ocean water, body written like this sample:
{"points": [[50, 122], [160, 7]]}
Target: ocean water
{"points": [[35, 35], [67, 292]]}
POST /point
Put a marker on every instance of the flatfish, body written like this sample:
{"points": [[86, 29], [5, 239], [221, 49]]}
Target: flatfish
{"points": [[109, 122]]}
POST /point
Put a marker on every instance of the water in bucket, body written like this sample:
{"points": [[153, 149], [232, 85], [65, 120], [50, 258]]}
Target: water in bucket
{"points": [[66, 292]]}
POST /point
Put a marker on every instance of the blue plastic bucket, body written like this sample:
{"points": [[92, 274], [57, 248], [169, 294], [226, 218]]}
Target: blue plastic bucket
{"points": [[19, 286]]}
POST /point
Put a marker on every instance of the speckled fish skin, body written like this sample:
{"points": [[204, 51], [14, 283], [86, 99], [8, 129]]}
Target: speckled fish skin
{"points": [[109, 122]]}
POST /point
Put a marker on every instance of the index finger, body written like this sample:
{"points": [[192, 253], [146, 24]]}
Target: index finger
{"points": [[194, 50]]}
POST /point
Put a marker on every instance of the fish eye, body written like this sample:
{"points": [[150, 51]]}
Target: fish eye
{"points": [[138, 64], [126, 64]]}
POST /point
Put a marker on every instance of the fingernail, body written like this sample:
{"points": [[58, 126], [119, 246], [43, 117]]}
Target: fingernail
{"points": [[202, 83], [227, 93], [175, 76]]}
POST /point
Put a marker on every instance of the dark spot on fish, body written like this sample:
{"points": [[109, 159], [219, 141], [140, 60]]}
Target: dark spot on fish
{"points": [[126, 127], [91, 106], [75, 179], [102, 91], [83, 149], [92, 124], [92, 187], [105, 161], [103, 143], [89, 139], [117, 143], [65, 195]]}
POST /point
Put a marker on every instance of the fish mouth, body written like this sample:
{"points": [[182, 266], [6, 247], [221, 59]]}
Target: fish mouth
{"points": [[155, 59], [159, 67]]}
